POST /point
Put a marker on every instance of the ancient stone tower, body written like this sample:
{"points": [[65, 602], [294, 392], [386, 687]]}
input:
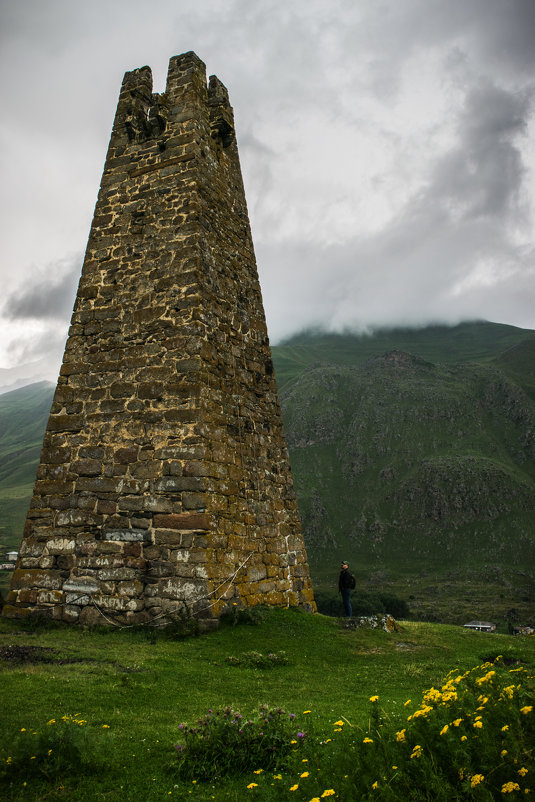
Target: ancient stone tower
{"points": [[164, 475]]}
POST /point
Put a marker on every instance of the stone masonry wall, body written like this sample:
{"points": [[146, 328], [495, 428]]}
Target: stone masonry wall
{"points": [[164, 475]]}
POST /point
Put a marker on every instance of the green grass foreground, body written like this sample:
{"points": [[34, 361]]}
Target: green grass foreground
{"points": [[96, 714]]}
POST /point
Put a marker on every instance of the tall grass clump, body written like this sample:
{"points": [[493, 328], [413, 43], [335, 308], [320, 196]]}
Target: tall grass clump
{"points": [[225, 742], [471, 738], [60, 748]]}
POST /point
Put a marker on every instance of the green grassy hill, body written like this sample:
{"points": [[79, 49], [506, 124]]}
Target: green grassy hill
{"points": [[131, 689], [413, 458]]}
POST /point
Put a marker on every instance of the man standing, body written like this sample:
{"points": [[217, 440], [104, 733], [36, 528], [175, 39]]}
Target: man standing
{"points": [[346, 583]]}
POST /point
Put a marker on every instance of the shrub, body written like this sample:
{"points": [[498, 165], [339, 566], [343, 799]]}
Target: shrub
{"points": [[60, 748], [395, 606], [329, 603], [235, 615], [228, 743], [182, 625]]}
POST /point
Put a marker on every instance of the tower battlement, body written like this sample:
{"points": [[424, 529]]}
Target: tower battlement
{"points": [[164, 477]]}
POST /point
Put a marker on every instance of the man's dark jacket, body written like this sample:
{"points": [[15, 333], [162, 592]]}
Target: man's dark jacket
{"points": [[345, 580]]}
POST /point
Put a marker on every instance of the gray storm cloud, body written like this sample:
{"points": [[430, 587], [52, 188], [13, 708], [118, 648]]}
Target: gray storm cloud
{"points": [[387, 149], [46, 297]]}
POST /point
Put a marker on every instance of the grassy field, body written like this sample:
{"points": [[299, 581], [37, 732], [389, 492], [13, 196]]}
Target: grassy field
{"points": [[133, 689]]}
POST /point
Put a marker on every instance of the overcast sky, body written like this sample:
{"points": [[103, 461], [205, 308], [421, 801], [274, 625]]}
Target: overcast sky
{"points": [[387, 146]]}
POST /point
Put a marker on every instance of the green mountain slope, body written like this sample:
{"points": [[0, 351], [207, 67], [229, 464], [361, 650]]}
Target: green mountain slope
{"points": [[467, 342], [23, 417], [418, 467]]}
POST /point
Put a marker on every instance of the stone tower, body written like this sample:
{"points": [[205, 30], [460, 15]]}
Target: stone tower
{"points": [[164, 476]]}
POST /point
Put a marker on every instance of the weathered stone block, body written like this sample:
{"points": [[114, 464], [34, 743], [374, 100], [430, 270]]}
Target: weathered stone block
{"points": [[80, 585], [61, 545], [182, 521], [127, 535], [133, 588], [39, 578], [71, 613], [116, 573]]}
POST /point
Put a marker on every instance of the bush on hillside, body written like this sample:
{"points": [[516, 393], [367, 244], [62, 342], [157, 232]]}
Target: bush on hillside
{"points": [[363, 604], [226, 743]]}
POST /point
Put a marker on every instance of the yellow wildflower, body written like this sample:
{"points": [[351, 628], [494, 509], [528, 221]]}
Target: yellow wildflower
{"points": [[509, 691], [476, 780], [367, 741], [508, 788], [464, 737], [394, 767], [375, 785], [444, 729], [457, 722], [105, 726], [304, 774], [432, 695], [252, 785], [488, 676], [478, 725], [400, 736], [373, 698], [306, 711], [315, 799], [527, 709], [328, 792], [522, 772], [258, 771], [23, 729], [294, 787], [417, 751], [407, 702], [505, 727], [503, 753], [423, 711], [338, 723], [338, 729]]}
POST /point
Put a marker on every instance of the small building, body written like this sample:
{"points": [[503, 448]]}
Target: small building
{"points": [[12, 556], [481, 626]]}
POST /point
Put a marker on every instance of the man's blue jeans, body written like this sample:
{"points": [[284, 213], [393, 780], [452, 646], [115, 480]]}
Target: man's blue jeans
{"points": [[346, 598]]}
